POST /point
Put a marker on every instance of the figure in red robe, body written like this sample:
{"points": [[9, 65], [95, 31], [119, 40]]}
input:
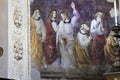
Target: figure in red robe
{"points": [[98, 32], [50, 44]]}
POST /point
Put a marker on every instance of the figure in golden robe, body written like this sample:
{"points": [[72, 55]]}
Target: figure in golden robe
{"points": [[38, 33], [82, 46], [111, 50]]}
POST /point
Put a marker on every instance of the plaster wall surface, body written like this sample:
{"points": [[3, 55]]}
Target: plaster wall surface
{"points": [[4, 37]]}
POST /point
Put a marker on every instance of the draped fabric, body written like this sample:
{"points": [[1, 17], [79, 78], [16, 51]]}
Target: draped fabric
{"points": [[65, 43], [36, 45], [50, 43], [110, 50], [81, 55], [97, 49], [68, 61]]}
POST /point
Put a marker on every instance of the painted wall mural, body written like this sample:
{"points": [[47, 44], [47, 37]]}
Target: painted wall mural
{"points": [[72, 35]]}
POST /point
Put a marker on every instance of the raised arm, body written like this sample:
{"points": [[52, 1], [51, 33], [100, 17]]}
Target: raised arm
{"points": [[75, 12], [76, 15]]}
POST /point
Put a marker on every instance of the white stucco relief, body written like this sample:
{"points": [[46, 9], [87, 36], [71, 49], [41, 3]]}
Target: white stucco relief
{"points": [[18, 37], [18, 30]]}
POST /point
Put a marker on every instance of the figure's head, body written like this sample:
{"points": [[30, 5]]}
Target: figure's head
{"points": [[36, 13], [110, 39], [99, 16], [64, 15], [53, 13], [85, 27]]}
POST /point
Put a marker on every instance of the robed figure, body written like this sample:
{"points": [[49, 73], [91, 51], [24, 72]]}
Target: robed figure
{"points": [[111, 50], [98, 39], [50, 43], [38, 33], [82, 47], [65, 42]]}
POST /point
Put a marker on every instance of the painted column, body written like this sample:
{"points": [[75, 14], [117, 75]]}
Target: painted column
{"points": [[18, 40]]}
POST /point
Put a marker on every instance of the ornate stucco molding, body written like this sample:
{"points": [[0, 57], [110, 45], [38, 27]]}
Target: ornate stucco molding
{"points": [[18, 40], [18, 37]]}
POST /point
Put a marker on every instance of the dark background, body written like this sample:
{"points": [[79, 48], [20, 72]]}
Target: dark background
{"points": [[86, 8]]}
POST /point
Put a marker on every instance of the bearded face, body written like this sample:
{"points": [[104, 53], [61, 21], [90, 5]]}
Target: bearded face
{"points": [[36, 14], [84, 27]]}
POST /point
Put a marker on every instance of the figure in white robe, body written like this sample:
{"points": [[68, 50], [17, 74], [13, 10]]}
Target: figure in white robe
{"points": [[82, 46], [65, 42]]}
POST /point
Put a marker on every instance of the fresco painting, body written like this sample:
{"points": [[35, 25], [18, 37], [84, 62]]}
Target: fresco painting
{"points": [[70, 35]]}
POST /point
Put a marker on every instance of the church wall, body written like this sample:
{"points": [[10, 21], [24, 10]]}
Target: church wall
{"points": [[4, 37]]}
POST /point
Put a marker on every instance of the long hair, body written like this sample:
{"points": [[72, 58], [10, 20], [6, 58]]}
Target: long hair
{"points": [[51, 13], [65, 13], [34, 9], [99, 13]]}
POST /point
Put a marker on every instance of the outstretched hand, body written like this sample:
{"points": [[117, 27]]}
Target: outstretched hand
{"points": [[73, 5]]}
